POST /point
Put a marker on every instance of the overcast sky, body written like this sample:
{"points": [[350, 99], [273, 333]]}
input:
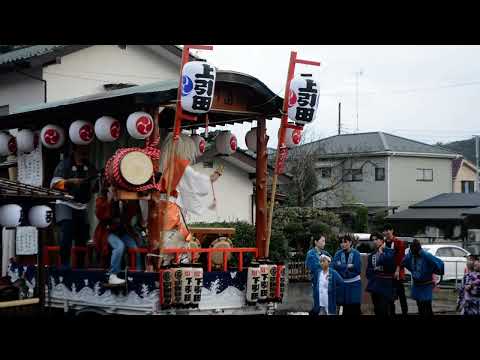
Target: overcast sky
{"points": [[426, 93]]}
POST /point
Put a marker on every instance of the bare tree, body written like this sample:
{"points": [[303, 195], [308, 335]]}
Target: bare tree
{"points": [[302, 165]]}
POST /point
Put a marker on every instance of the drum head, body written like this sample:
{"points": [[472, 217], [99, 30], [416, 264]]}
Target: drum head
{"points": [[136, 168], [221, 242]]}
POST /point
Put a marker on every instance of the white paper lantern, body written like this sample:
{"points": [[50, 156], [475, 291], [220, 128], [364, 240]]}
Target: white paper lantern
{"points": [[52, 136], [11, 215], [293, 137], [8, 144], [26, 141], [198, 86], [251, 140], [140, 125], [200, 144], [81, 132], [226, 143], [107, 129], [40, 216], [303, 100]]}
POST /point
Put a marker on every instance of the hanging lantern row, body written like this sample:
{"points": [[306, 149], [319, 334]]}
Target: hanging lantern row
{"points": [[40, 216], [139, 126]]}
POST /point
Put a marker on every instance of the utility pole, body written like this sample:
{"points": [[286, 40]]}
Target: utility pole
{"points": [[339, 117], [357, 74]]}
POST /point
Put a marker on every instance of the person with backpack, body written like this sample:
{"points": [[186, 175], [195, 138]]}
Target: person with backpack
{"points": [[422, 265]]}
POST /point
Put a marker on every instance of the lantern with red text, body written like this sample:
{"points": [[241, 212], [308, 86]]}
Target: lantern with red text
{"points": [[200, 144], [139, 125], [107, 129], [52, 136], [8, 144], [303, 99], [81, 132], [226, 143], [198, 85]]}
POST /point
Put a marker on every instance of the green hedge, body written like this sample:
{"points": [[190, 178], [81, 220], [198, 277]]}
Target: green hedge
{"points": [[292, 227]]}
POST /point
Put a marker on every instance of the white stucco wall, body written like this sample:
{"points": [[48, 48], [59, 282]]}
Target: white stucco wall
{"points": [[405, 190], [370, 192], [18, 90], [86, 71], [233, 191]]}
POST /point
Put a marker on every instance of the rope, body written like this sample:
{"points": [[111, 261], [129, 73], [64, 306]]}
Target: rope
{"points": [[112, 167]]}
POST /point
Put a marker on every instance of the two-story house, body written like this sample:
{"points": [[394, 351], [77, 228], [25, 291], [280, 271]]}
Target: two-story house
{"points": [[378, 170]]}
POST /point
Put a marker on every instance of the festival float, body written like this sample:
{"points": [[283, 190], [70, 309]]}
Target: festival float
{"points": [[137, 136]]}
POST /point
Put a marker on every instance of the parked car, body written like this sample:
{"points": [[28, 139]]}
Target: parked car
{"points": [[454, 257]]}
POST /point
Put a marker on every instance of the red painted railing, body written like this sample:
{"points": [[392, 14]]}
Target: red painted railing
{"points": [[208, 251], [176, 251]]}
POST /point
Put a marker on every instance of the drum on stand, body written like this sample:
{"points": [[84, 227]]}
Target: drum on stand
{"points": [[128, 168], [217, 257]]}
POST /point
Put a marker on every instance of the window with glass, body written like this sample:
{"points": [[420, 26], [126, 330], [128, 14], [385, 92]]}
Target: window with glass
{"points": [[379, 174], [424, 174], [468, 187], [352, 175]]}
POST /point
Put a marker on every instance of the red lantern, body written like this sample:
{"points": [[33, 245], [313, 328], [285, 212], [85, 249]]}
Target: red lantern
{"points": [[107, 129], [8, 144], [140, 125], [200, 144], [226, 143], [52, 136], [81, 132]]}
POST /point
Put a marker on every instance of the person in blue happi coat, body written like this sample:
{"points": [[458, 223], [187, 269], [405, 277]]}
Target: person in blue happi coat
{"points": [[422, 265], [347, 262], [326, 282], [380, 274], [312, 263]]}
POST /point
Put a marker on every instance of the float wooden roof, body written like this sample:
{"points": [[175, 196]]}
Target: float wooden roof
{"points": [[238, 98]]}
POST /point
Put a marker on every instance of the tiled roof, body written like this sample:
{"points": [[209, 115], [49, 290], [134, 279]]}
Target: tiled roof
{"points": [[371, 142], [28, 52]]}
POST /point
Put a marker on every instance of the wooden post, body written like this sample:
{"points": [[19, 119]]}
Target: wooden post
{"points": [[261, 188]]}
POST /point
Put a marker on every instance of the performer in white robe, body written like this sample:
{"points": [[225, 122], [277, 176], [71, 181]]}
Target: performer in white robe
{"points": [[189, 193]]}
